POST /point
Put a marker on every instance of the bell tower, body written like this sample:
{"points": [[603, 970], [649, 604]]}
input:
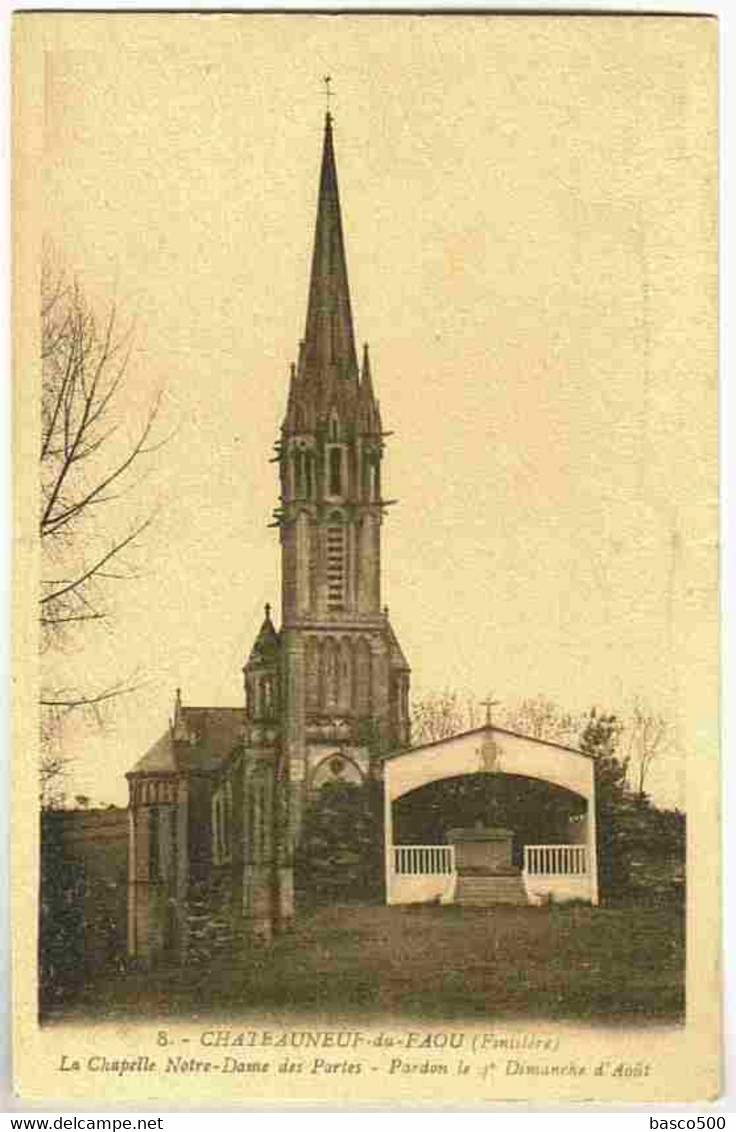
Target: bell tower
{"points": [[344, 679], [331, 447]]}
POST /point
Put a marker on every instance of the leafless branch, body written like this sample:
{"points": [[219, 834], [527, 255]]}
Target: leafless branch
{"points": [[71, 701], [87, 573], [645, 736], [542, 719], [437, 716], [87, 456]]}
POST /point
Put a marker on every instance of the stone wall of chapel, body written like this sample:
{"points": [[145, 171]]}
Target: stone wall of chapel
{"points": [[158, 866], [338, 675]]}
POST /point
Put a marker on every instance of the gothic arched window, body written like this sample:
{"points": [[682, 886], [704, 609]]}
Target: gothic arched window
{"points": [[335, 471], [404, 699], [375, 480], [174, 838], [312, 667], [332, 674], [346, 676], [309, 467], [268, 695], [154, 844], [362, 678], [227, 814], [298, 473]]}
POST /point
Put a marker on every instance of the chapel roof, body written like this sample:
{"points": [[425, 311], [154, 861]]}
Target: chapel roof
{"points": [[199, 739]]}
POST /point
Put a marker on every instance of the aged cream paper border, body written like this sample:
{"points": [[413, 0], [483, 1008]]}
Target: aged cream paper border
{"points": [[685, 1062]]}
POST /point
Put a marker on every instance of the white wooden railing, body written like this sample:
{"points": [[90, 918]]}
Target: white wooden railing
{"points": [[555, 860], [539, 860], [424, 860]]}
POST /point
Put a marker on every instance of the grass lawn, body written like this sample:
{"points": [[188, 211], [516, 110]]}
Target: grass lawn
{"points": [[425, 962]]}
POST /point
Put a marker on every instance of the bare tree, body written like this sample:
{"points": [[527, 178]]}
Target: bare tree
{"points": [[640, 739], [52, 774], [87, 455], [645, 737], [542, 719], [437, 716]]}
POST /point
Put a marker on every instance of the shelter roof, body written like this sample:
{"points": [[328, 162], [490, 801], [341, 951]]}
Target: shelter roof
{"points": [[487, 729]]}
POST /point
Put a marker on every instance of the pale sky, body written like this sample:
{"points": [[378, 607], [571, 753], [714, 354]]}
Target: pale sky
{"points": [[529, 217]]}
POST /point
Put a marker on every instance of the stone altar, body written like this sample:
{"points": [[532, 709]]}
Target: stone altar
{"points": [[483, 849]]}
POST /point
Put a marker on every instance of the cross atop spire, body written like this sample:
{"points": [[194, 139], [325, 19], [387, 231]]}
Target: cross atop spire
{"points": [[329, 344], [328, 91]]}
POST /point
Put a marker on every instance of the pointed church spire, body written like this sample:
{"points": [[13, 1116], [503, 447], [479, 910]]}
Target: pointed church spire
{"points": [[366, 380], [371, 413], [329, 340], [266, 644], [292, 387]]}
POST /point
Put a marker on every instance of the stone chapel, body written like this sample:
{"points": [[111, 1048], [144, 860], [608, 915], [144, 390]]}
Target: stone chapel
{"points": [[218, 801]]}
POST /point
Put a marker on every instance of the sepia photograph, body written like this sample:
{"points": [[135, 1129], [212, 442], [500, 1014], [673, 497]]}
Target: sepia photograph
{"points": [[366, 730]]}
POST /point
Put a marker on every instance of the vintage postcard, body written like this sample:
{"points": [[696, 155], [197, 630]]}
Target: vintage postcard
{"points": [[366, 659]]}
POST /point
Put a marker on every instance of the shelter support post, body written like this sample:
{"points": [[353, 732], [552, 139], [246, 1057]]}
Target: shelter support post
{"points": [[592, 848], [388, 840]]}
